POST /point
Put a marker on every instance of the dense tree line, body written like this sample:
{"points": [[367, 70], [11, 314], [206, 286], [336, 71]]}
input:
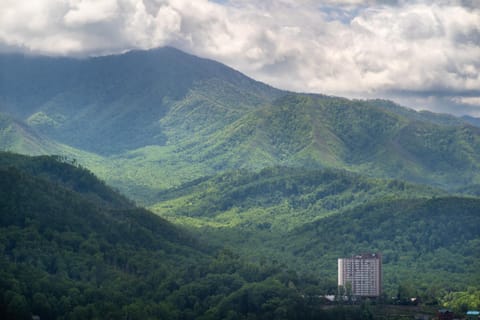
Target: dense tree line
{"points": [[64, 255], [290, 197], [306, 219]]}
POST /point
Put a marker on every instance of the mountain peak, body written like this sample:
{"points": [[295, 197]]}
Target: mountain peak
{"points": [[114, 103]]}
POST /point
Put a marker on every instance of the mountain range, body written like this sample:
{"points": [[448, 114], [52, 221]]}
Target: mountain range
{"points": [[145, 121], [294, 179]]}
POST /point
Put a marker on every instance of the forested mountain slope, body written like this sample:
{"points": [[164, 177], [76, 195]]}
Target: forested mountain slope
{"points": [[68, 241], [71, 248], [425, 243], [145, 121], [307, 219], [18, 136], [278, 198], [317, 131], [113, 103], [291, 181]]}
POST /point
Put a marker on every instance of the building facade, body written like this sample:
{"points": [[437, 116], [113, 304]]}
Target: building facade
{"points": [[362, 274]]}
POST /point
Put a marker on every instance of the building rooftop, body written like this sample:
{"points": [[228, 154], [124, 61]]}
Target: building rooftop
{"points": [[366, 256]]}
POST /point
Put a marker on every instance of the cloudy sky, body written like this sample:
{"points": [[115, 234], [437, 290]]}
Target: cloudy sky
{"points": [[422, 54]]}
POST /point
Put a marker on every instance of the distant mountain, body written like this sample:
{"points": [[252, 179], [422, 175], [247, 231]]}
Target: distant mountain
{"points": [[145, 121], [114, 103], [313, 131], [423, 115], [472, 120], [290, 180], [18, 136]]}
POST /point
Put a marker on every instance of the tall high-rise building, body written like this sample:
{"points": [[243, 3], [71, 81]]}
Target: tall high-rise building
{"points": [[362, 273]]}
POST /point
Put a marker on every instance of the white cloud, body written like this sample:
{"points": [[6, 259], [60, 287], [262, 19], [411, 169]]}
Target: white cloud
{"points": [[474, 101], [347, 47], [90, 11]]}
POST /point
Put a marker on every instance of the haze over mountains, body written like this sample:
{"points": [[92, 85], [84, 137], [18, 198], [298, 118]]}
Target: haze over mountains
{"points": [[114, 103], [163, 111], [294, 178]]}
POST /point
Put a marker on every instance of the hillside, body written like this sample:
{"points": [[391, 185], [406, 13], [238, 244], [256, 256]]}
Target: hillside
{"points": [[306, 219], [317, 131], [71, 248], [65, 234], [311, 131], [289, 182], [277, 199], [425, 243], [114, 103], [146, 121], [18, 136]]}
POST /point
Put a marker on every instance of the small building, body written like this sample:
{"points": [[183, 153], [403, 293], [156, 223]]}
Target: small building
{"points": [[445, 314], [473, 315]]}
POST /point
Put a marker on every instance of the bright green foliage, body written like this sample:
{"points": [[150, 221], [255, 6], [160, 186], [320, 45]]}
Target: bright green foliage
{"points": [[463, 301], [299, 131], [72, 249], [291, 181], [308, 218], [428, 242], [146, 121], [16, 136], [277, 198]]}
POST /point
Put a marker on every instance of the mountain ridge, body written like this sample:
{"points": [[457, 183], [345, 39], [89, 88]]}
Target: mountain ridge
{"points": [[81, 101], [298, 179], [280, 198], [307, 219], [149, 120]]}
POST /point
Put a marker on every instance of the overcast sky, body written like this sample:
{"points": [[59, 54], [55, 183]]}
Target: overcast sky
{"points": [[422, 54]]}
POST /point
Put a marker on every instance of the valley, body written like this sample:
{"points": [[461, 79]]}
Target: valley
{"points": [[256, 191]]}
